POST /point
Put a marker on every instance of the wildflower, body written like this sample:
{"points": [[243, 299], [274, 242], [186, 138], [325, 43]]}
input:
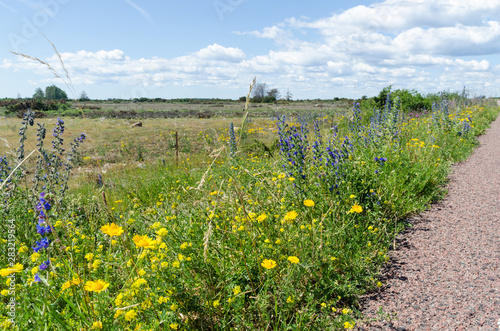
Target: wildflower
{"points": [[44, 265], [16, 268], [261, 218], [293, 259], [130, 315], [349, 325], [356, 209], [23, 249], [89, 256], [97, 325], [216, 303], [5, 293], [143, 241], [97, 286], [96, 264], [291, 215], [112, 229], [174, 326], [268, 264], [236, 290], [346, 311], [162, 232], [308, 203], [289, 299]]}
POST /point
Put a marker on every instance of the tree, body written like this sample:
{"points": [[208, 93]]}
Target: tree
{"points": [[84, 96], [274, 93], [288, 95], [259, 92], [38, 94], [55, 93]]}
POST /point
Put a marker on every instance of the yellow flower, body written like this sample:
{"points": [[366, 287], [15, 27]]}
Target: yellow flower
{"points": [[349, 325], [139, 282], [268, 264], [308, 203], [5, 293], [289, 299], [261, 218], [16, 268], [130, 315], [356, 209], [352, 196], [97, 286], [23, 249], [143, 241], [216, 303], [97, 325], [293, 259], [96, 264], [174, 326], [162, 232], [34, 257], [112, 229], [89, 256], [291, 215], [236, 290]]}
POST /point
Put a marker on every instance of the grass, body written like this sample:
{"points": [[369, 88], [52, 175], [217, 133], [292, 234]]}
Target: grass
{"points": [[286, 234]]}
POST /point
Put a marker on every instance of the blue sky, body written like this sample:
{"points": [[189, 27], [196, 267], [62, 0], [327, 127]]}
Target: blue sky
{"points": [[214, 48]]}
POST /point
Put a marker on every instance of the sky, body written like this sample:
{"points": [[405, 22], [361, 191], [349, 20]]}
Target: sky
{"points": [[214, 48]]}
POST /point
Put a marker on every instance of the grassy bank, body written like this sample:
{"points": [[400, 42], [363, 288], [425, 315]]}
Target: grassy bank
{"points": [[235, 235]]}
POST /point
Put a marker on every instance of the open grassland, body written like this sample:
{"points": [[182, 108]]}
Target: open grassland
{"points": [[255, 224]]}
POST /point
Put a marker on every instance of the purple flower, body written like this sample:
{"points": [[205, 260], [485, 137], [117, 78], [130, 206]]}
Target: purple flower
{"points": [[44, 265]]}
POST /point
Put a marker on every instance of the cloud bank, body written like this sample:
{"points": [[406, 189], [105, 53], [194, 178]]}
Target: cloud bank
{"points": [[426, 45]]}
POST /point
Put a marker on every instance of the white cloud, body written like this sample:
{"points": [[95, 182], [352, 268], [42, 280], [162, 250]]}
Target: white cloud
{"points": [[219, 53]]}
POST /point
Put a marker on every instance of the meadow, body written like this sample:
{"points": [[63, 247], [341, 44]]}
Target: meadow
{"points": [[237, 223]]}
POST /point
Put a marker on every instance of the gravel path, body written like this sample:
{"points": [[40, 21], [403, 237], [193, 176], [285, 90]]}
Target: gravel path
{"points": [[445, 272]]}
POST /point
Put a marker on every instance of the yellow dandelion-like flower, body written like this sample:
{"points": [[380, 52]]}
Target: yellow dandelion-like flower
{"points": [[261, 218], [291, 215], [174, 326], [293, 259], [308, 203], [112, 230], [7, 271], [268, 264], [356, 209], [236, 290], [143, 241], [97, 286]]}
